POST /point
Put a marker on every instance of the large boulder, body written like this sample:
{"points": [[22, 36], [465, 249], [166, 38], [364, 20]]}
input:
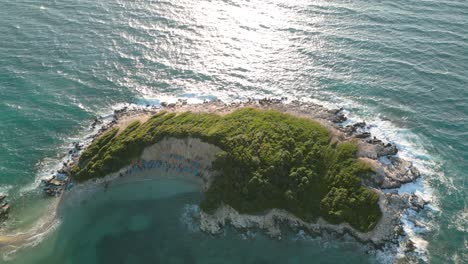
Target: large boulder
{"points": [[375, 149], [390, 174], [398, 172]]}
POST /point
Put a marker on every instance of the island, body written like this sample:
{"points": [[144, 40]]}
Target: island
{"points": [[260, 164]]}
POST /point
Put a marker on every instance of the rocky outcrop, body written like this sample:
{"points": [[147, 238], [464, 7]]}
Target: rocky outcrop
{"points": [[387, 229], [357, 128], [417, 203], [391, 174], [54, 186], [399, 172], [375, 149]]}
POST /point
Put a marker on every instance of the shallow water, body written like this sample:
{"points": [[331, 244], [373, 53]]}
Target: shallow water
{"points": [[401, 65], [152, 222]]}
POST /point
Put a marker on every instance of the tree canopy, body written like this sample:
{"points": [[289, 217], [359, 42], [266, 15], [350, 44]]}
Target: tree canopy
{"points": [[269, 160]]}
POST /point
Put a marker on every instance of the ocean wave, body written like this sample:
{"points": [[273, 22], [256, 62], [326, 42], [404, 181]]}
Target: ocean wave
{"points": [[31, 237], [460, 220]]}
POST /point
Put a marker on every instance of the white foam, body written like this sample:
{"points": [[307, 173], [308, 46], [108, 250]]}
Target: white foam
{"points": [[191, 217], [48, 166], [460, 220], [35, 235], [5, 189], [410, 148]]}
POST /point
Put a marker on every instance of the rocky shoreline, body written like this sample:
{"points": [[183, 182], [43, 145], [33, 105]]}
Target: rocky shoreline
{"points": [[391, 172]]}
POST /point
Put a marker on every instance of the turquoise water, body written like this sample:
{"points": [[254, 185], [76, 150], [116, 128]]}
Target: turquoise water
{"points": [[400, 65], [160, 228]]}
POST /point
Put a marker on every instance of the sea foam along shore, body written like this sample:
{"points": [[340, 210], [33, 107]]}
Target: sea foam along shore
{"points": [[390, 174]]}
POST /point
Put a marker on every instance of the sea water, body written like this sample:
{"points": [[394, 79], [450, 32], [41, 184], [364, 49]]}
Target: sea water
{"points": [[399, 65], [157, 222]]}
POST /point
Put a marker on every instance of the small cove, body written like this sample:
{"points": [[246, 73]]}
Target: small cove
{"points": [[150, 221]]}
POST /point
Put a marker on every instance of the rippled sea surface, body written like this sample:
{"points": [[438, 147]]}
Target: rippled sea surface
{"points": [[400, 65]]}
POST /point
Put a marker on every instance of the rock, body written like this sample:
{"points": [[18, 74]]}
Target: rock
{"points": [[375, 178], [398, 201], [409, 246], [398, 172], [2, 197], [360, 125], [374, 141], [96, 122], [417, 202], [4, 210], [163, 104], [171, 105], [339, 118], [56, 182], [78, 146], [418, 224], [338, 110], [388, 149], [55, 185], [399, 231], [374, 149], [367, 150], [269, 101], [363, 135], [349, 130]]}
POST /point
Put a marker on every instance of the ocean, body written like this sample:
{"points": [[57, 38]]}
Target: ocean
{"points": [[399, 65]]}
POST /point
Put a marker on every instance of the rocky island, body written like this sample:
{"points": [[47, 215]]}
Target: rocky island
{"points": [[261, 164]]}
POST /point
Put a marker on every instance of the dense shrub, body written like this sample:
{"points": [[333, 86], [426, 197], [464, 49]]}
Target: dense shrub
{"points": [[269, 160]]}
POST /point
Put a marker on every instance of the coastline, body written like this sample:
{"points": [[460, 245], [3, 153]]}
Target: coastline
{"points": [[391, 173]]}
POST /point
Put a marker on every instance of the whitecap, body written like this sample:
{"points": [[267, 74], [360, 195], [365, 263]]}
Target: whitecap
{"points": [[460, 220]]}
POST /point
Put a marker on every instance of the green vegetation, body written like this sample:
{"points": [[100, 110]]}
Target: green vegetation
{"points": [[269, 160]]}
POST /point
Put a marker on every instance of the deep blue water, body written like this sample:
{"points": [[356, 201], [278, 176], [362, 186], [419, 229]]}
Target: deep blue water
{"points": [[401, 65]]}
